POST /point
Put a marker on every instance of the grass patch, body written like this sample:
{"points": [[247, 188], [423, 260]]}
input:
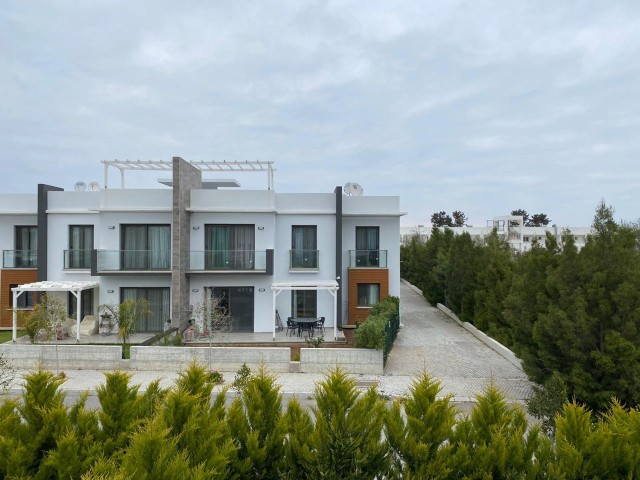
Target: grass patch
{"points": [[7, 335]]}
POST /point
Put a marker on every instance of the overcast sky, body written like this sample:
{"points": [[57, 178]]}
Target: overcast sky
{"points": [[480, 106]]}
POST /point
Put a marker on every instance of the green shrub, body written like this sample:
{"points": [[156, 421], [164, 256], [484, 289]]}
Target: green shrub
{"points": [[372, 332], [215, 377], [243, 375]]}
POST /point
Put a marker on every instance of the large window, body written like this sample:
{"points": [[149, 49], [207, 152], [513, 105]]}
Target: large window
{"points": [[80, 246], [304, 303], [367, 246], [230, 247], [159, 301], [25, 300], [146, 247], [86, 300], [368, 294], [304, 246], [26, 252]]}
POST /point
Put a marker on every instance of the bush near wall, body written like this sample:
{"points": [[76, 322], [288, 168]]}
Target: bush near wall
{"points": [[380, 328]]}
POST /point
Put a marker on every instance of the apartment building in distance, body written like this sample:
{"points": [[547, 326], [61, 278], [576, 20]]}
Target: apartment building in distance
{"points": [[257, 251], [510, 227]]}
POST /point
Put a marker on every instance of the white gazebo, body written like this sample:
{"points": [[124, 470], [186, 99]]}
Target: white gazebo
{"points": [[330, 286], [74, 287]]}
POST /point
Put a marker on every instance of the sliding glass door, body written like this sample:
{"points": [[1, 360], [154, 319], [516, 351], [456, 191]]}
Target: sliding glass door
{"points": [[230, 247], [159, 300], [238, 303], [146, 247]]}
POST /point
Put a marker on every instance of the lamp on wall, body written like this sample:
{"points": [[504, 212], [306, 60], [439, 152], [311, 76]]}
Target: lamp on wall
{"points": [[261, 289], [109, 291], [111, 227], [196, 227], [261, 228], [194, 290]]}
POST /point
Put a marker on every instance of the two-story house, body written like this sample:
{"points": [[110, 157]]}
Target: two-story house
{"points": [[256, 251]]}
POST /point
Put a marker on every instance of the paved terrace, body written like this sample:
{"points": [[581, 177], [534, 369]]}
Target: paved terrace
{"points": [[428, 341]]}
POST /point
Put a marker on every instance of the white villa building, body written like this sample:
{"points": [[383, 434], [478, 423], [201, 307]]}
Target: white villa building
{"points": [[257, 251]]}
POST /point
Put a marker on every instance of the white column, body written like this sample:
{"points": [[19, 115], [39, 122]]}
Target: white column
{"points": [[78, 306], [15, 315], [273, 319], [335, 313]]}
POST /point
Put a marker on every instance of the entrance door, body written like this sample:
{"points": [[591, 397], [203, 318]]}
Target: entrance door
{"points": [[238, 302]]}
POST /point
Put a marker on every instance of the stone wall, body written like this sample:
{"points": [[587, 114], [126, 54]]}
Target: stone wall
{"points": [[353, 360], [222, 359], [73, 357]]}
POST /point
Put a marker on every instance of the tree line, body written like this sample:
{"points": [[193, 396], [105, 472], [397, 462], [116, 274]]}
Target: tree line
{"points": [[574, 312], [188, 432], [459, 219]]}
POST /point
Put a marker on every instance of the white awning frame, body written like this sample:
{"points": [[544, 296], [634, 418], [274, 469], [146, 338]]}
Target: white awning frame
{"points": [[74, 287], [330, 286], [205, 166]]}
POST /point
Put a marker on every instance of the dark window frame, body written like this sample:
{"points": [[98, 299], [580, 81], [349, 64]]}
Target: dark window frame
{"points": [[359, 295]]}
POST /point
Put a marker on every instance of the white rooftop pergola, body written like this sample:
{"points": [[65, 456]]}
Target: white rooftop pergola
{"points": [[330, 286], [74, 287], [205, 166]]}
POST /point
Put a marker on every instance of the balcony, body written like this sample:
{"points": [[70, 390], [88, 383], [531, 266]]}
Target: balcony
{"points": [[229, 260], [77, 259], [367, 259], [304, 259], [19, 259], [112, 261]]}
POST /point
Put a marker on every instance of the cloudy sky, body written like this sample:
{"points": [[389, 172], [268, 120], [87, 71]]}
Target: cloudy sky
{"points": [[480, 106]]}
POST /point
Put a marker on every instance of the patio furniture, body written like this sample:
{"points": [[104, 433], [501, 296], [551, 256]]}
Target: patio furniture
{"points": [[319, 325], [306, 323], [64, 329], [88, 326], [292, 325]]}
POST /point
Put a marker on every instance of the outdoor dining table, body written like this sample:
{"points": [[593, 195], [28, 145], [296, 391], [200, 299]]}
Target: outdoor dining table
{"points": [[305, 323]]}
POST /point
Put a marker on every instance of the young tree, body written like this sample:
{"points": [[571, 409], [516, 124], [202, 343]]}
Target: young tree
{"points": [[46, 319], [214, 317], [128, 315], [547, 402], [422, 442]]}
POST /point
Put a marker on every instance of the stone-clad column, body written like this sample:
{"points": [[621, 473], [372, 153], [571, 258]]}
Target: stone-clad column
{"points": [[185, 178]]}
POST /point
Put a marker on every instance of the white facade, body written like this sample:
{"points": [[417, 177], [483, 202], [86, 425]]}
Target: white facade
{"points": [[271, 217]]}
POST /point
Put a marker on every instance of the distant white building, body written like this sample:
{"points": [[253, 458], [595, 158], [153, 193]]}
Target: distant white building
{"points": [[511, 228]]}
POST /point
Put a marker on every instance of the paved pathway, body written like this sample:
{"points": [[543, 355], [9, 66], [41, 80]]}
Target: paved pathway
{"points": [[433, 342], [428, 341]]}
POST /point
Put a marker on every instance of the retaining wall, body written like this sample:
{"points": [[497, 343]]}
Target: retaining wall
{"points": [[222, 359], [71, 357], [353, 360]]}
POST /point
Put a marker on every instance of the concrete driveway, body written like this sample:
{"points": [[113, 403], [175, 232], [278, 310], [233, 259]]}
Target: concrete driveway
{"points": [[464, 365]]}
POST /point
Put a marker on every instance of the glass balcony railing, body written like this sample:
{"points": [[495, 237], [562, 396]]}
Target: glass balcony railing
{"points": [[232, 260], [303, 259], [19, 259], [368, 258], [77, 259], [133, 260]]}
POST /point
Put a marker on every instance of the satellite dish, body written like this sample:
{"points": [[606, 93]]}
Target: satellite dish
{"points": [[80, 186], [347, 188], [94, 186], [356, 190]]}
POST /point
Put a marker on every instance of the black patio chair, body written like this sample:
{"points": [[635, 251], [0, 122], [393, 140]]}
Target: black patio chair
{"points": [[319, 325], [291, 325]]}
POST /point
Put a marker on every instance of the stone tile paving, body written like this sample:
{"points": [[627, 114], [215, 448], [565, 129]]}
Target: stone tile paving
{"points": [[430, 341]]}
